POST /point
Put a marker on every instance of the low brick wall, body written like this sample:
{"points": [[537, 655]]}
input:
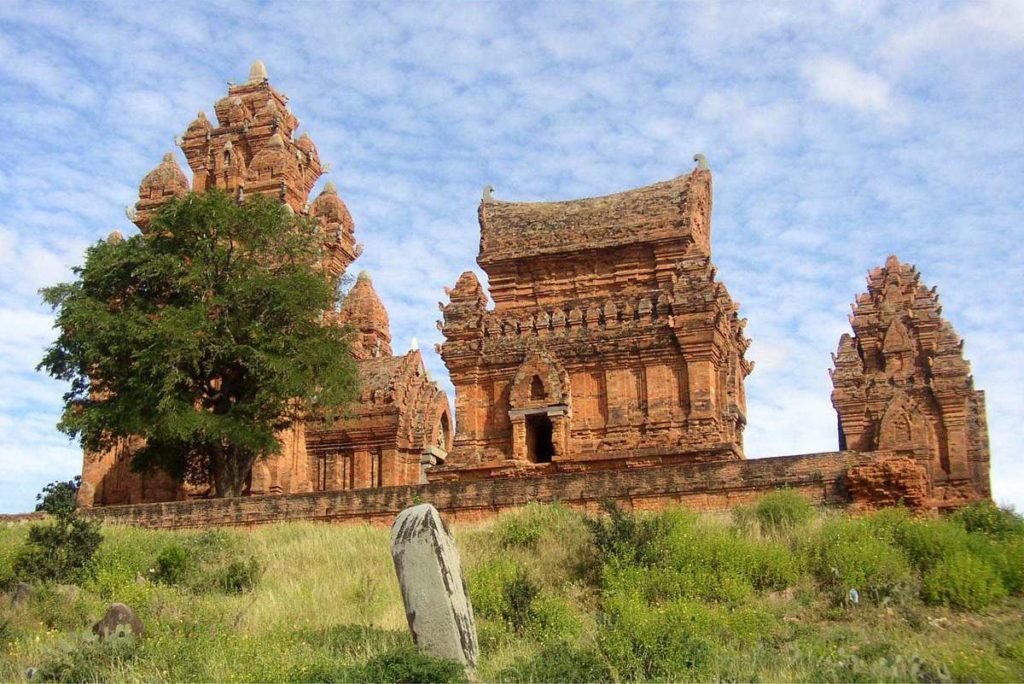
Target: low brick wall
{"points": [[702, 486]]}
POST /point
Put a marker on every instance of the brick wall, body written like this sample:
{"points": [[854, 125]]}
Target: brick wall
{"points": [[702, 486]]}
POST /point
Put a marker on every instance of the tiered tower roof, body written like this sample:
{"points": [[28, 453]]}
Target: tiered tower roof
{"points": [[252, 149]]}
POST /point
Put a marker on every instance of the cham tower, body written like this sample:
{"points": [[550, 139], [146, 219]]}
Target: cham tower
{"points": [[610, 342], [902, 385], [401, 423]]}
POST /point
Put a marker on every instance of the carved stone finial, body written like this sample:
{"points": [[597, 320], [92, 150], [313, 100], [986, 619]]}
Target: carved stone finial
{"points": [[257, 72], [331, 188], [115, 237], [702, 162], [488, 195], [364, 275]]}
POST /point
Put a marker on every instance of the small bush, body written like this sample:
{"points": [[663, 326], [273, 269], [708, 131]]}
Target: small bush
{"points": [[406, 665], [551, 618], [558, 662], [987, 518], [519, 593], [173, 565], [87, 661], [57, 607], [927, 542], [503, 590], [1005, 556], [644, 642], [239, 576], [962, 581], [6, 632], [848, 554], [522, 528], [487, 585], [783, 510], [61, 550], [629, 536]]}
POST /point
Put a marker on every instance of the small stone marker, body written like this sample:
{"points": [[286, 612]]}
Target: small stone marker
{"points": [[433, 588], [120, 620], [21, 593]]}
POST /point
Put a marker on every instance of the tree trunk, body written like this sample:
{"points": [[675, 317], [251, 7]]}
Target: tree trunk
{"points": [[230, 470]]}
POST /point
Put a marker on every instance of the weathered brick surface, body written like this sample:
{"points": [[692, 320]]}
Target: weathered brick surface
{"points": [[888, 483], [703, 486], [401, 415], [609, 332], [901, 383]]}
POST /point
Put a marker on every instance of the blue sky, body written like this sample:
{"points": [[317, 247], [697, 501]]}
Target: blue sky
{"points": [[838, 133]]}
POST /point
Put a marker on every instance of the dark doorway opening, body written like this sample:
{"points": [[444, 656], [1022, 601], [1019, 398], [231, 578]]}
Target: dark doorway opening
{"points": [[539, 447]]}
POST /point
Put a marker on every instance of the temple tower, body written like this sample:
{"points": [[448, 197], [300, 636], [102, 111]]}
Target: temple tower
{"points": [[401, 423], [901, 384], [252, 150], [610, 338], [363, 310]]}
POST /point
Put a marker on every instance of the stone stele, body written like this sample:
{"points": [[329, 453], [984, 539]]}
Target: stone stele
{"points": [[433, 588]]}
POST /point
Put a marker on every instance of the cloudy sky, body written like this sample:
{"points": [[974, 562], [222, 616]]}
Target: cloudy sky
{"points": [[838, 133]]}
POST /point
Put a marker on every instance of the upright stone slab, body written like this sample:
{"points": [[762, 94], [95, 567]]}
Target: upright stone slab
{"points": [[433, 588]]}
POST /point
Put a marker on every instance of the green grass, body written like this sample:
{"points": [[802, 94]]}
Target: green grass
{"points": [[674, 596]]}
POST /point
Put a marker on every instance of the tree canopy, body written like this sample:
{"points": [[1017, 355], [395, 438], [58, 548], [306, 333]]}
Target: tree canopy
{"points": [[205, 337]]}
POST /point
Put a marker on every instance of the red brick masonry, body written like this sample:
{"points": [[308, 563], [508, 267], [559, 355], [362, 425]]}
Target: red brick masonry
{"points": [[822, 478]]}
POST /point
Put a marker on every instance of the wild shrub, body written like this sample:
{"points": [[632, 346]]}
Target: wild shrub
{"points": [[927, 542], [87, 661], [503, 590], [11, 540], [782, 510], [487, 585], [524, 527], [61, 550], [847, 553], [57, 607], [629, 536], [558, 662], [239, 576], [710, 562], [6, 632], [1010, 564], [551, 618], [644, 642], [962, 581], [173, 565], [518, 595], [987, 518], [406, 665]]}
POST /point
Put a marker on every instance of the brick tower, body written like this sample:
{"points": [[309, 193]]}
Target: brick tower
{"points": [[402, 420], [610, 342], [902, 385]]}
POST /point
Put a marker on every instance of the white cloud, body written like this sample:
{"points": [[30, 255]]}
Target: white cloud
{"points": [[838, 81]]}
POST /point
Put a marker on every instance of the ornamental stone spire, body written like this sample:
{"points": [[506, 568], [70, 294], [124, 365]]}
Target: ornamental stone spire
{"points": [[363, 310], [901, 384]]}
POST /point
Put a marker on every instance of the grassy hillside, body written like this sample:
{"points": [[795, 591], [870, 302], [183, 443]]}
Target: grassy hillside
{"points": [[763, 594]]}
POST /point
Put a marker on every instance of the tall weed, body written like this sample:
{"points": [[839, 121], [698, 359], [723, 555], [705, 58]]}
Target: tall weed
{"points": [[782, 510]]}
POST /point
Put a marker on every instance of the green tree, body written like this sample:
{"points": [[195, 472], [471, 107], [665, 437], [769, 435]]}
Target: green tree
{"points": [[63, 549], [59, 497], [204, 337]]}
